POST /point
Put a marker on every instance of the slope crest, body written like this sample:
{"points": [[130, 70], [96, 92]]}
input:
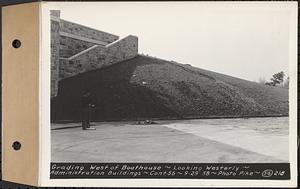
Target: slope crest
{"points": [[146, 87]]}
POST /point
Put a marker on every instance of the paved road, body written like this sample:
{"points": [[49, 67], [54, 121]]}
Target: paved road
{"points": [[128, 142]]}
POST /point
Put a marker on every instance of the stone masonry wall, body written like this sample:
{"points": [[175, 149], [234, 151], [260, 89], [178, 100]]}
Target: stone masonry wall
{"points": [[76, 49], [100, 56], [70, 46], [55, 47], [83, 31], [124, 49]]}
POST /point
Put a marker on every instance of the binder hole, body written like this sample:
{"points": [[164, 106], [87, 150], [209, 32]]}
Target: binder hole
{"points": [[16, 43], [16, 145]]}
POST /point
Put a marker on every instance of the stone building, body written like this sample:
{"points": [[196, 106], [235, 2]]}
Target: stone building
{"points": [[77, 49]]}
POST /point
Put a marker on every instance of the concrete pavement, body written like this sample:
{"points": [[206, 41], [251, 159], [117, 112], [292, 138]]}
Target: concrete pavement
{"points": [[128, 142]]}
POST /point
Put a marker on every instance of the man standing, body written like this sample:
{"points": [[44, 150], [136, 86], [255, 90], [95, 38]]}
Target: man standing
{"points": [[86, 103]]}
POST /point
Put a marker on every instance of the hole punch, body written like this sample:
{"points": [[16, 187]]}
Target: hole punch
{"points": [[16, 145], [16, 43]]}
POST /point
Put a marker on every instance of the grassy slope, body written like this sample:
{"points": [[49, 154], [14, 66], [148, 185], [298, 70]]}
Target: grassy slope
{"points": [[146, 87]]}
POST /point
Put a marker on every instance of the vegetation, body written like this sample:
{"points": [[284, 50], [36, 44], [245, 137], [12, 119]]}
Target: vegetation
{"points": [[278, 80], [145, 88]]}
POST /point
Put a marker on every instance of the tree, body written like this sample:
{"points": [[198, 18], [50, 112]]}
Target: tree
{"points": [[269, 83], [278, 78]]}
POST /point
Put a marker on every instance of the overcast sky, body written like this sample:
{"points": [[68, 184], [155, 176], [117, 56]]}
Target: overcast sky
{"points": [[242, 40]]}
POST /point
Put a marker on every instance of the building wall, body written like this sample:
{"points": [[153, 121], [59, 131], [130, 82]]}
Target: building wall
{"points": [[124, 49], [100, 56], [55, 48], [83, 31], [76, 49], [70, 46]]}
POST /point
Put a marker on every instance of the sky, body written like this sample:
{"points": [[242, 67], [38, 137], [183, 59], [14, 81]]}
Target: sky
{"points": [[245, 40]]}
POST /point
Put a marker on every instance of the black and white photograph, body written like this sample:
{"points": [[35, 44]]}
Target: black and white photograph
{"points": [[150, 94], [170, 82]]}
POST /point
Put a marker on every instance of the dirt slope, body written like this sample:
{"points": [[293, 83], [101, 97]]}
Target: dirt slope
{"points": [[146, 87]]}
